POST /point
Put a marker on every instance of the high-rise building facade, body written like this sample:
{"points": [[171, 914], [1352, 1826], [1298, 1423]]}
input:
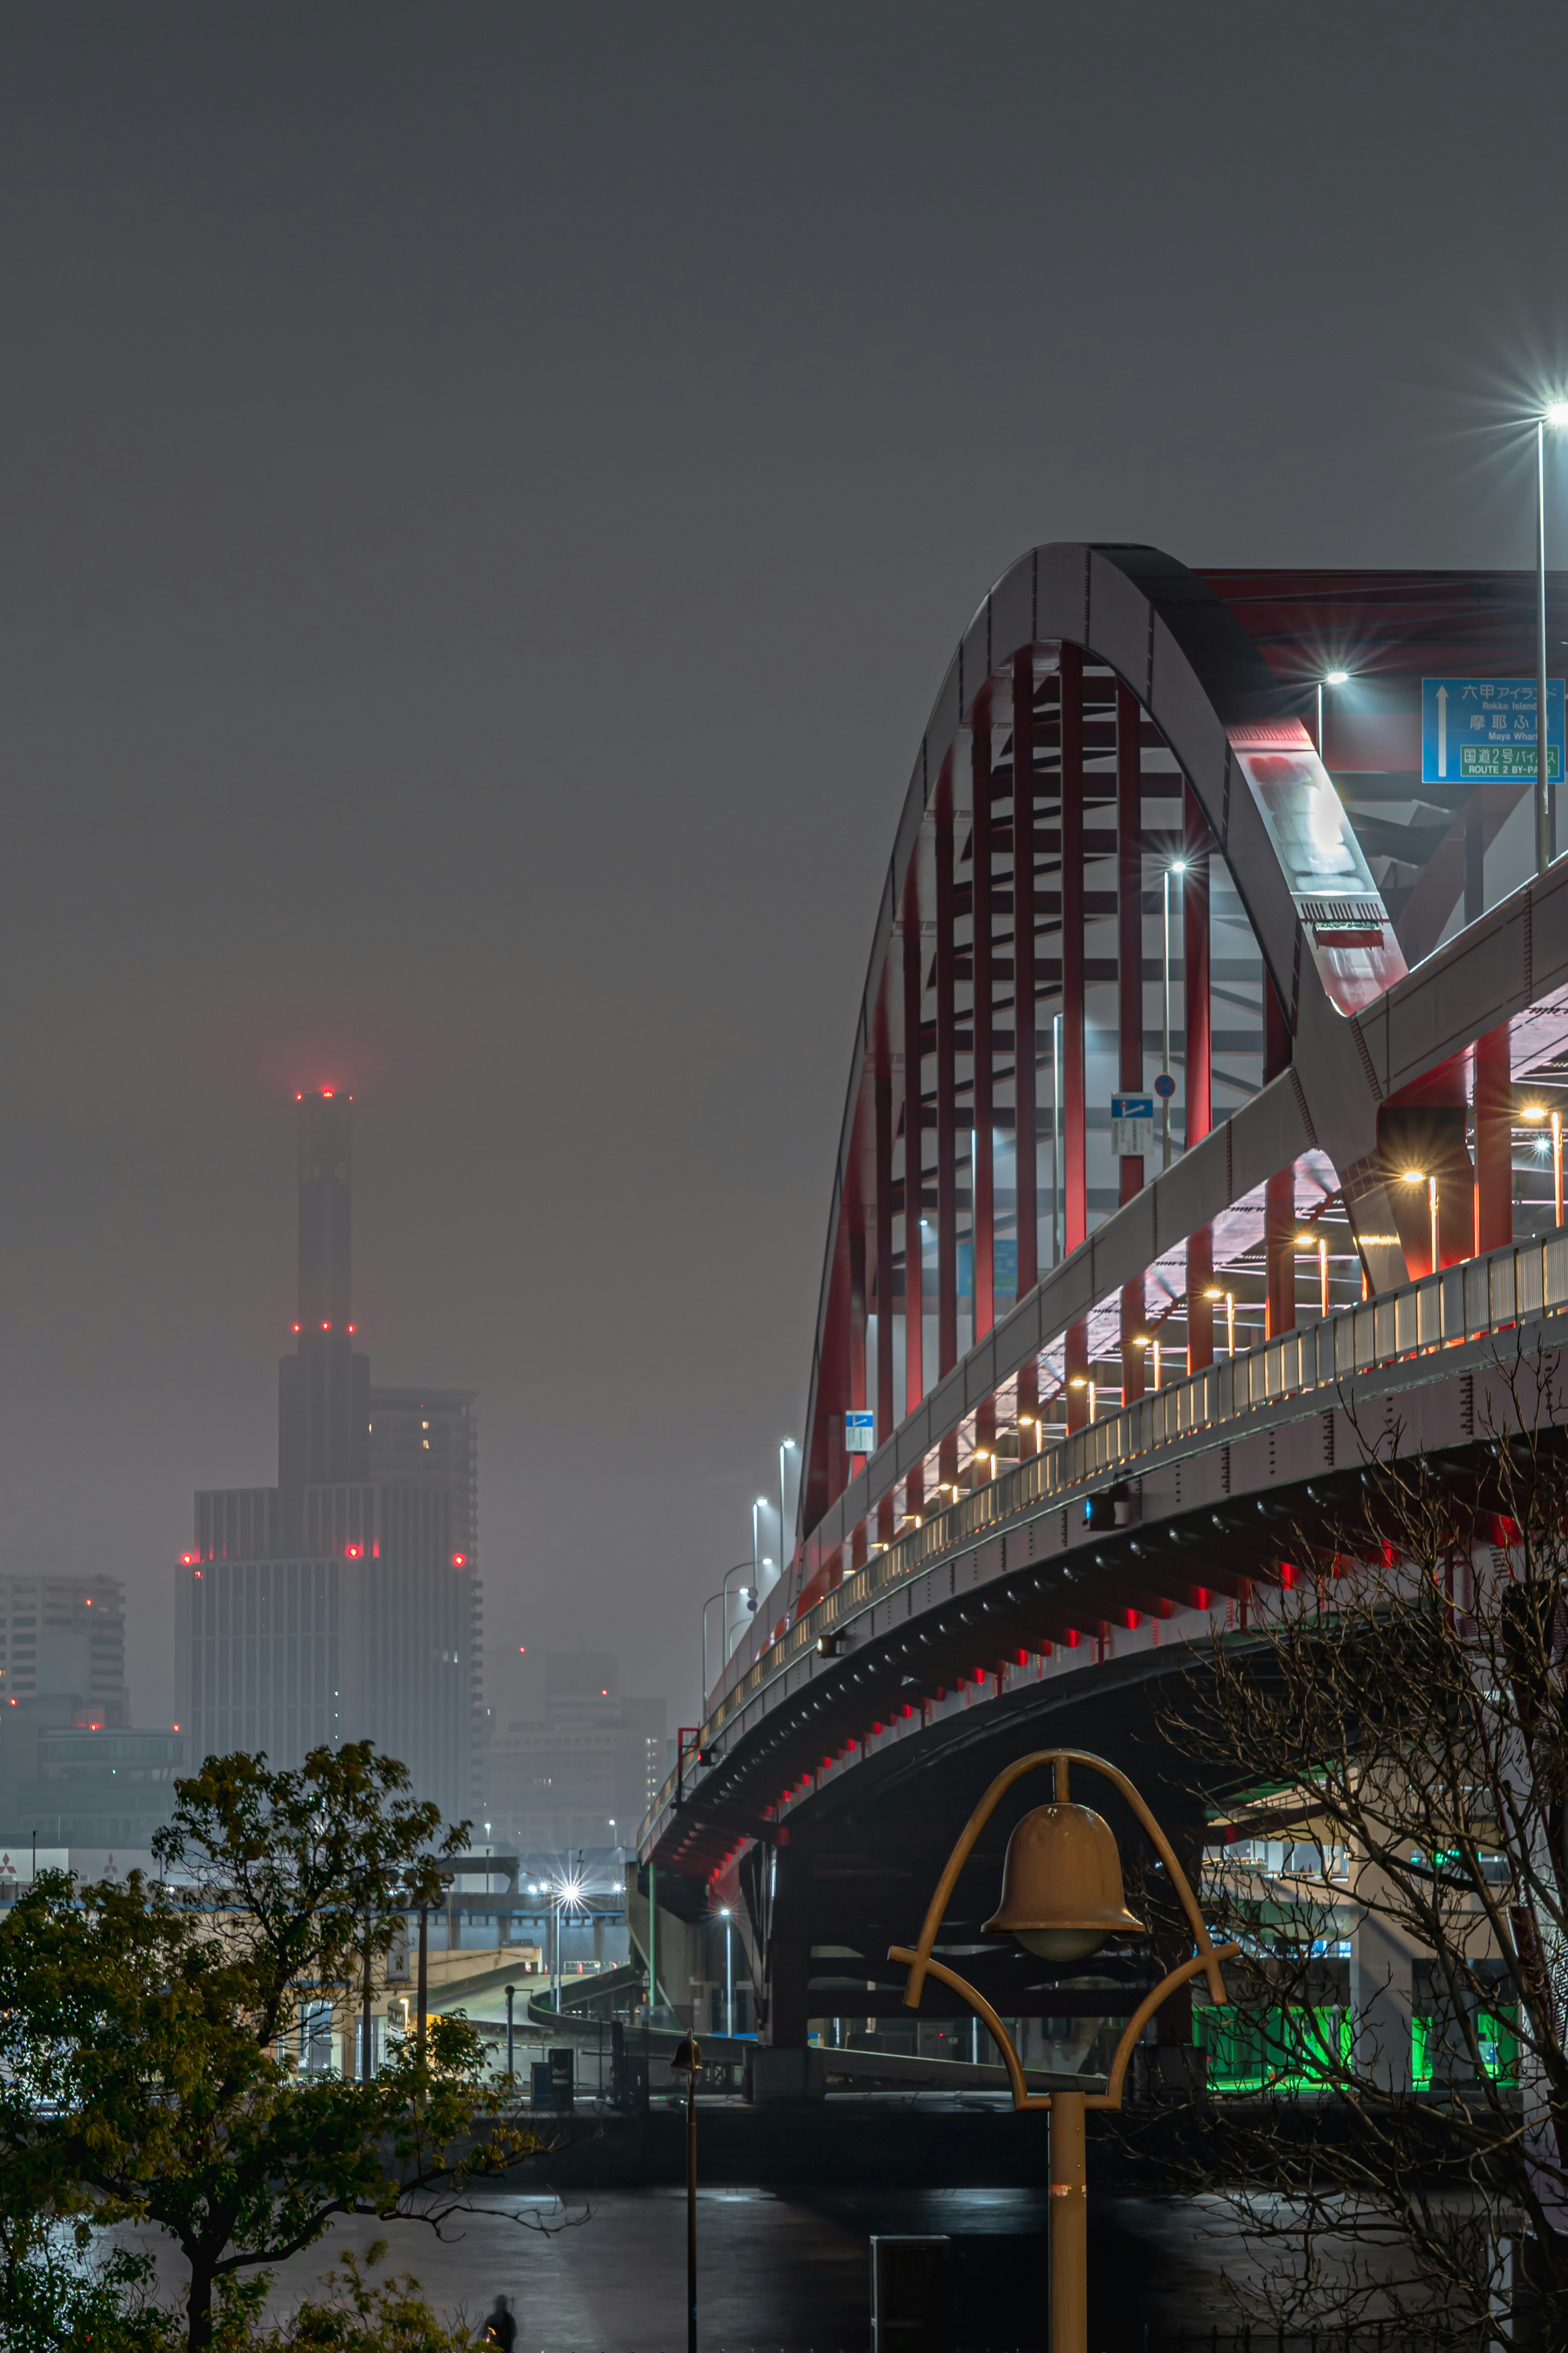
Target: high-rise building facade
{"points": [[573, 1761], [343, 1603], [65, 1635]]}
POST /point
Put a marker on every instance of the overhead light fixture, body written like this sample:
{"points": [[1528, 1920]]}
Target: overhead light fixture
{"points": [[1336, 677]]}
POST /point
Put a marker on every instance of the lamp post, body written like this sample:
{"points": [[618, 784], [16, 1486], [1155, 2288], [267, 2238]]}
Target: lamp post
{"points": [[1555, 414], [786, 1446], [720, 1596], [511, 2045], [688, 2061], [1419, 1177], [1178, 867], [1061, 1899], [1329, 677], [724, 1915]]}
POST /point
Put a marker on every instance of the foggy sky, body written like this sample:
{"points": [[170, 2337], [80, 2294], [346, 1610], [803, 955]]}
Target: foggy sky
{"points": [[487, 495]]}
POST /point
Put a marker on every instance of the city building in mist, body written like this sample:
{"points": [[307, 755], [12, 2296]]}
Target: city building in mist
{"points": [[342, 1603], [573, 1761], [74, 1773], [64, 1636]]}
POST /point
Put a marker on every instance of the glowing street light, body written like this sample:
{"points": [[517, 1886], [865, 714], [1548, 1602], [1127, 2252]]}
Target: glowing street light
{"points": [[786, 1446], [1555, 414], [1540, 1111], [1419, 1177], [1329, 677], [1319, 1242]]}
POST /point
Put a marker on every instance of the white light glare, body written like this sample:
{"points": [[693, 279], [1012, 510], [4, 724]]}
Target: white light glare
{"points": [[1336, 677], [1556, 413]]}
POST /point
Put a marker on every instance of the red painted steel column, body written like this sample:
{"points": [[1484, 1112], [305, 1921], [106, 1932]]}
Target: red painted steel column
{"points": [[1198, 1027], [1494, 1141], [886, 1408], [1129, 996], [1074, 1161], [1280, 1193], [914, 1156], [982, 1168], [946, 1094], [1025, 1139], [1026, 1144]]}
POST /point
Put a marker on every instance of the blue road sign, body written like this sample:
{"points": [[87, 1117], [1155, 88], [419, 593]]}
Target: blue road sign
{"points": [[1473, 729], [1131, 1125], [859, 1434], [1164, 1084]]}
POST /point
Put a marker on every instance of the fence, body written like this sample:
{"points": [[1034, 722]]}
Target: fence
{"points": [[1468, 1302]]}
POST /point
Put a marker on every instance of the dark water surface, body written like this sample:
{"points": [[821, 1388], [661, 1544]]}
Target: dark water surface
{"points": [[778, 2268]]}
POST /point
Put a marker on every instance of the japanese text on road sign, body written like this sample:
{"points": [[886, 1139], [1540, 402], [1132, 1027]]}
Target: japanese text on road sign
{"points": [[1476, 728]]}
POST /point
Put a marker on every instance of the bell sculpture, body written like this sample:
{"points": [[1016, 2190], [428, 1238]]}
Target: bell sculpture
{"points": [[1061, 1885]]}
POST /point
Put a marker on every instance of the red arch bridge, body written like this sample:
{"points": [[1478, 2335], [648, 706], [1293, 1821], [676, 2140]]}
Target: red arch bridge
{"points": [[1267, 837]]}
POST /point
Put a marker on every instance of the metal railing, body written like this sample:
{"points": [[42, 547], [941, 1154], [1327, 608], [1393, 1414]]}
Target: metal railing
{"points": [[1465, 1302]]}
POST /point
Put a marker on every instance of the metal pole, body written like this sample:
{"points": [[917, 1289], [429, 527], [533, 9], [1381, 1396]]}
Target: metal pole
{"points": [[365, 2068], [1068, 2226], [786, 1446], [1165, 1063], [729, 1975], [1543, 787], [1432, 1216], [691, 2210], [422, 1987], [510, 2045], [1556, 1168], [652, 1940]]}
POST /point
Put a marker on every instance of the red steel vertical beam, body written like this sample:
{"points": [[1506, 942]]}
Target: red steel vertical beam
{"points": [[1026, 1141], [1129, 994], [1494, 1141], [946, 1094], [914, 1156], [1026, 1144], [1280, 1193], [1197, 1031], [982, 1169], [1075, 1158], [858, 1312], [882, 1120]]}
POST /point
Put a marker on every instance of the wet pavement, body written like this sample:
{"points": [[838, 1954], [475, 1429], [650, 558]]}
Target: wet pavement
{"points": [[780, 2270]]}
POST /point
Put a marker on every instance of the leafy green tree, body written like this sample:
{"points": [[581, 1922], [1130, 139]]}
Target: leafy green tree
{"points": [[145, 2068]]}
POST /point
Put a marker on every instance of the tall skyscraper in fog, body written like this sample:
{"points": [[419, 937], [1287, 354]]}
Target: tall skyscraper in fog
{"points": [[343, 1603]]}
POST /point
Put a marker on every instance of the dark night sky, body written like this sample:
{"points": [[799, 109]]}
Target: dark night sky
{"points": [[488, 496]]}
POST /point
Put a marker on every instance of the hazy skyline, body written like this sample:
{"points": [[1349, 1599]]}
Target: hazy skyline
{"points": [[488, 499]]}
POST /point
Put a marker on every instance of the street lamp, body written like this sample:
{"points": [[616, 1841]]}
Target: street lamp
{"points": [[1540, 1111], [1305, 1241], [724, 1915], [1329, 677], [1419, 1177], [1178, 867], [1061, 1899], [786, 1446], [722, 1595], [688, 2061], [1555, 414]]}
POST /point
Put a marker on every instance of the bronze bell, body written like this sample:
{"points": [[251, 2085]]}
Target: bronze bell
{"points": [[1061, 1885]]}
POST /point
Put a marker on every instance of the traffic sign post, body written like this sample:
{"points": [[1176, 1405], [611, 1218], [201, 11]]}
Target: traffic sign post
{"points": [[1481, 730], [1131, 1125]]}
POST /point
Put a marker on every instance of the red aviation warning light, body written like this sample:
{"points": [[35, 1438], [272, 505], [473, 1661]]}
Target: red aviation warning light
{"points": [[459, 1560], [353, 1552]]}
